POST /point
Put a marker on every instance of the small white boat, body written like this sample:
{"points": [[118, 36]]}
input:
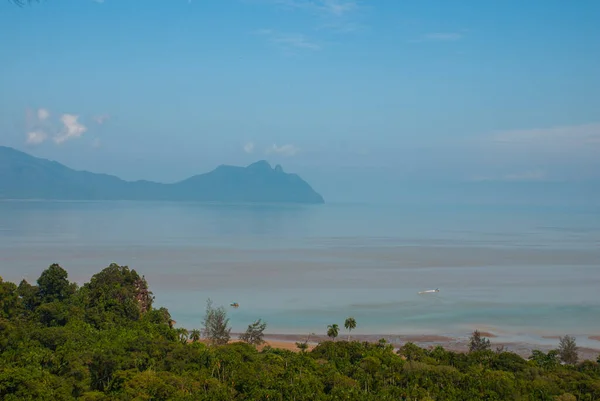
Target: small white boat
{"points": [[429, 291]]}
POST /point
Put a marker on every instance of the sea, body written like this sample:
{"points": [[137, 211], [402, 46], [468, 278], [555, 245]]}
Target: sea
{"points": [[524, 273]]}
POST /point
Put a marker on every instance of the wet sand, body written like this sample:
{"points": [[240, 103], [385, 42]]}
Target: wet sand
{"points": [[487, 334], [288, 342], [280, 344], [287, 345]]}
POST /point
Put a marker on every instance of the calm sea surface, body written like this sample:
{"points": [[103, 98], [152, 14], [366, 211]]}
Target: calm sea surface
{"points": [[522, 273]]}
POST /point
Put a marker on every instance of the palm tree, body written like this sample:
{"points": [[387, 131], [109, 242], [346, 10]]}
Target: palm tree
{"points": [[332, 331], [350, 324], [195, 335], [183, 334]]}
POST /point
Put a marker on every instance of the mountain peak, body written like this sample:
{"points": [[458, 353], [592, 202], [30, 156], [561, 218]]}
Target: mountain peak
{"points": [[260, 165], [23, 176]]}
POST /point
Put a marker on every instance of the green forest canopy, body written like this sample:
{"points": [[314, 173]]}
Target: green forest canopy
{"points": [[106, 340]]}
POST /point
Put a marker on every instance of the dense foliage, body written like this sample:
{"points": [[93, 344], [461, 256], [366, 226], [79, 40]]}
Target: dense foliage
{"points": [[106, 341]]}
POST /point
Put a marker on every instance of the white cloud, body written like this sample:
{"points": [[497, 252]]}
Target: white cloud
{"points": [[439, 37], [531, 175], [249, 147], [297, 41], [36, 137], [43, 114], [334, 15], [336, 8], [289, 41], [101, 119], [263, 31], [331, 7], [564, 137], [564, 152], [72, 128], [37, 126], [443, 36], [524, 176], [284, 150]]}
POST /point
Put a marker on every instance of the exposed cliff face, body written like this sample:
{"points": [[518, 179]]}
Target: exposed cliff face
{"points": [[143, 296]]}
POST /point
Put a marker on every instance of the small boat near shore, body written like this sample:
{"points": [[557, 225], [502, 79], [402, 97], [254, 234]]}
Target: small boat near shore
{"points": [[235, 305], [429, 291]]}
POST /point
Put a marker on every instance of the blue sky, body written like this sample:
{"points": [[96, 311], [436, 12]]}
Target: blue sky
{"points": [[350, 94]]}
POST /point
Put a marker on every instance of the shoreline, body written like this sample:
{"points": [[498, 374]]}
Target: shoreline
{"points": [[455, 344]]}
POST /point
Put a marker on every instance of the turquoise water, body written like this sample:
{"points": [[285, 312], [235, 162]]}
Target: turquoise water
{"points": [[522, 273]]}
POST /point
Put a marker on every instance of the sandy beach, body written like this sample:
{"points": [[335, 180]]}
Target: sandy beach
{"points": [[288, 342]]}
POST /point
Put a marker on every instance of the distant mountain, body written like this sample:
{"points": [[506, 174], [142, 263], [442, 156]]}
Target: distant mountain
{"points": [[23, 176]]}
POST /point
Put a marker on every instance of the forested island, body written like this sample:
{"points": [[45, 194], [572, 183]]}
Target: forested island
{"points": [[23, 176], [106, 340]]}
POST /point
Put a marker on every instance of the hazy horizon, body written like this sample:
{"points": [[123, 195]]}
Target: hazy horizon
{"points": [[346, 93], [359, 188]]}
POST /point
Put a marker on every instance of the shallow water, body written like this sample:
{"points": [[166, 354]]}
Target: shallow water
{"points": [[521, 273]]}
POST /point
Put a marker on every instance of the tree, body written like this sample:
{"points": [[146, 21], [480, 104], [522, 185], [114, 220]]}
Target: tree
{"points": [[160, 316], [254, 333], [116, 293], [381, 343], [216, 324], [54, 285], [333, 331], [547, 361], [302, 346], [350, 324], [195, 335], [29, 295], [183, 334], [411, 352], [144, 359], [9, 300], [567, 350], [478, 343]]}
